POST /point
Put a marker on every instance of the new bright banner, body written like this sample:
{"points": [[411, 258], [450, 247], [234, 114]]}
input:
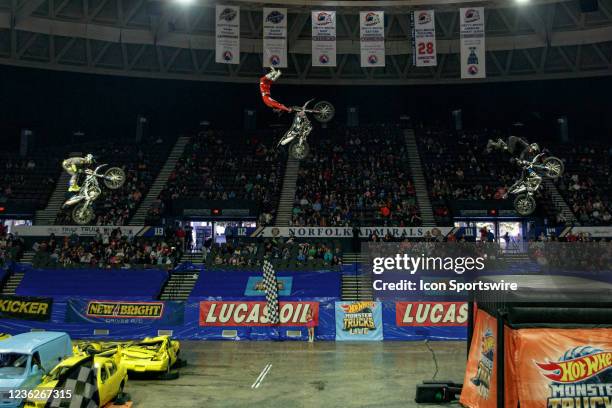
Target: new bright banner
{"points": [[105, 311], [255, 286], [359, 321]]}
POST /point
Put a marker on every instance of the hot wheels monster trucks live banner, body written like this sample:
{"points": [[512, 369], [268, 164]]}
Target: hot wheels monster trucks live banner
{"points": [[359, 321], [472, 29], [275, 37], [479, 384], [323, 38], [227, 34], [424, 38], [124, 312], [372, 38]]}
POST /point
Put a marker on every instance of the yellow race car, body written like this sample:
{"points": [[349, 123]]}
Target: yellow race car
{"points": [[153, 354], [111, 376]]}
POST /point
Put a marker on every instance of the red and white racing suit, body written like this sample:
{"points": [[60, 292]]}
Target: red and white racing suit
{"points": [[265, 83]]}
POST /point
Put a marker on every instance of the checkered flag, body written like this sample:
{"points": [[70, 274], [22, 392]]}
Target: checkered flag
{"points": [[271, 287], [80, 380]]}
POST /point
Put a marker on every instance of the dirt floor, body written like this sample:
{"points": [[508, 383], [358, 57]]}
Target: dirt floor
{"points": [[299, 374]]}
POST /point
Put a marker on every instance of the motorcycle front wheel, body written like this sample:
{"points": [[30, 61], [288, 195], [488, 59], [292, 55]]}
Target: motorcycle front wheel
{"points": [[299, 150], [325, 111], [82, 214], [554, 167], [524, 204], [114, 178]]}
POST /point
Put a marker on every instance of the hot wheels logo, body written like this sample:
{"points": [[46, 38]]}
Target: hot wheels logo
{"points": [[371, 19], [358, 307], [577, 369]]}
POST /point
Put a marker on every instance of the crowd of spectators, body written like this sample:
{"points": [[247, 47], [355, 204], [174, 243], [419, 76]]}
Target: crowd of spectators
{"points": [[141, 162], [289, 252], [356, 175], [11, 247], [586, 183], [225, 166], [108, 250]]}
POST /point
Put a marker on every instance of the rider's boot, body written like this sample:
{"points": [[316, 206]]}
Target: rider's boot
{"points": [[74, 187]]}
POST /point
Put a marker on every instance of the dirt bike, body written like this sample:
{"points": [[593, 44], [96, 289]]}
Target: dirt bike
{"points": [[301, 127], [83, 212], [525, 189]]}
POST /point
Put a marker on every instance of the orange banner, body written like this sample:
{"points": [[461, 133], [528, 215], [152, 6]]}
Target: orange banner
{"points": [[479, 384], [563, 368]]}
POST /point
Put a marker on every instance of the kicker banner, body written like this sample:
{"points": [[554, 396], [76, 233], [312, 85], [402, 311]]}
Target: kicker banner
{"points": [[239, 313], [227, 34], [26, 308], [472, 29], [275, 37], [372, 38], [323, 38], [424, 38], [359, 321], [124, 312]]}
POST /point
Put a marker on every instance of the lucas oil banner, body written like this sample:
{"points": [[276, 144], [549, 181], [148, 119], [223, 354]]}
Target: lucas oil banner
{"points": [[424, 38], [275, 37], [479, 384], [372, 38], [26, 308], [472, 29], [359, 321], [323, 38], [126, 312], [431, 313], [238, 313], [227, 34]]}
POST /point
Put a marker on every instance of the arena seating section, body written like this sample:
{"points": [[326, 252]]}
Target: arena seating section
{"points": [[587, 182], [115, 283], [141, 163], [27, 182], [356, 176], [220, 165]]}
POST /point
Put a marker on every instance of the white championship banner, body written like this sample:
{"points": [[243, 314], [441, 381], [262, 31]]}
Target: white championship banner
{"points": [[227, 34], [323, 38], [275, 37], [472, 29], [424, 39], [372, 38]]}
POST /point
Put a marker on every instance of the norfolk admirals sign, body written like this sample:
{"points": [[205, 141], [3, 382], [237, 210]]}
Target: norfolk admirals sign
{"points": [[29, 308]]}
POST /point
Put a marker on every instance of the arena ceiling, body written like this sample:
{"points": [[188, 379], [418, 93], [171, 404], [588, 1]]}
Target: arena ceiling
{"points": [[541, 40]]}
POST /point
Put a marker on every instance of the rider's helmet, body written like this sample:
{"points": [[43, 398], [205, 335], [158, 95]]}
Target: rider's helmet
{"points": [[89, 158], [534, 147]]}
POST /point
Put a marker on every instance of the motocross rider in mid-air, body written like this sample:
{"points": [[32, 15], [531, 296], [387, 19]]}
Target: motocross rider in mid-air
{"points": [[265, 83], [74, 166], [514, 145]]}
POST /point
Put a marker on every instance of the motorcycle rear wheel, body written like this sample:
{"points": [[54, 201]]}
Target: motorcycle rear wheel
{"points": [[82, 214], [524, 204], [114, 178], [554, 167], [325, 111], [299, 151]]}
